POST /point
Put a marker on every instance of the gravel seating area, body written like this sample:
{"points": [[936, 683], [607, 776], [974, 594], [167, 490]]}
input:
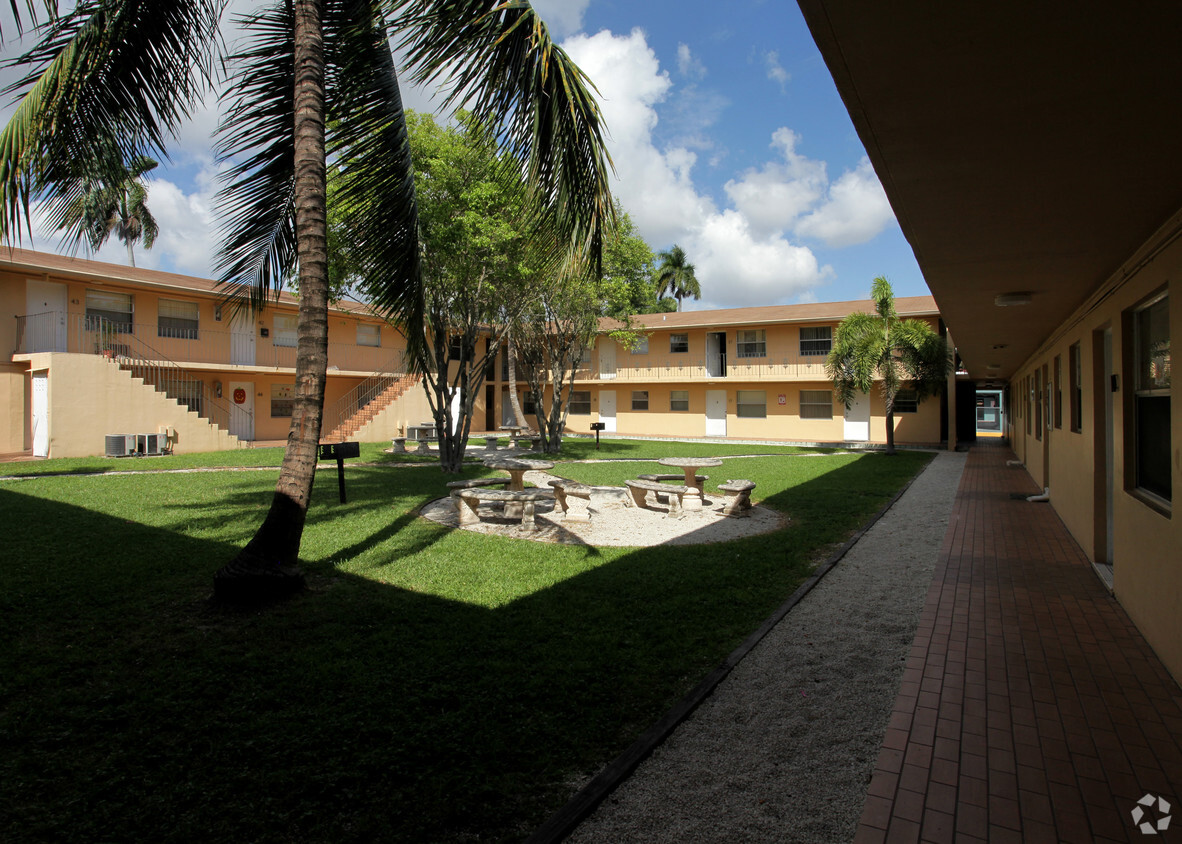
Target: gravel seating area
{"points": [[783, 750]]}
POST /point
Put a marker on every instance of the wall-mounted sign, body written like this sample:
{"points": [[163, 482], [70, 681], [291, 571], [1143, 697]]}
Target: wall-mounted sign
{"points": [[240, 396], [781, 400]]}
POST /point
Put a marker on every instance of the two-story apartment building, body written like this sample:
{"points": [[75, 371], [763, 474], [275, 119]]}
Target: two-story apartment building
{"points": [[745, 373], [101, 350]]}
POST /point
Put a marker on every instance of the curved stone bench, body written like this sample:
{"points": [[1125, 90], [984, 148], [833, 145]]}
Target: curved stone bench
{"points": [[470, 502], [564, 488], [475, 483], [738, 497], [699, 480], [640, 490]]}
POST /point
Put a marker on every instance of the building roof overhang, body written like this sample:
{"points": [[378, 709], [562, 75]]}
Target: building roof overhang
{"points": [[1025, 148]]}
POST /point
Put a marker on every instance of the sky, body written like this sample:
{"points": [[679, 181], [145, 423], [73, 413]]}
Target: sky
{"points": [[728, 139]]}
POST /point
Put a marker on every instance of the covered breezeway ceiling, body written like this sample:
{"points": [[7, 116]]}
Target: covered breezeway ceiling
{"points": [[1024, 146]]}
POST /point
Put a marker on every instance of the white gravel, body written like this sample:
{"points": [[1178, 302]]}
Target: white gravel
{"points": [[784, 748]]}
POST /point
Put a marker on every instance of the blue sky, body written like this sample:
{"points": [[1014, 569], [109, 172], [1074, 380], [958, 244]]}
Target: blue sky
{"points": [[728, 136]]}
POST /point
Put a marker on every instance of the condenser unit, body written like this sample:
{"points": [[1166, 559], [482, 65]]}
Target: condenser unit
{"points": [[149, 444], [120, 445]]}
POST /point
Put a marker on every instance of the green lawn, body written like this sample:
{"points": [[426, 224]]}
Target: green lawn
{"points": [[431, 685]]}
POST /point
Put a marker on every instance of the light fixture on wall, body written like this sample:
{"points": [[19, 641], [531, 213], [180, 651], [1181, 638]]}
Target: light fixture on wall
{"points": [[1009, 300]]}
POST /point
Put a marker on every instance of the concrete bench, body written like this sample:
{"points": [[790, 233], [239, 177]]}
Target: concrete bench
{"points": [[457, 487], [399, 445], [699, 480], [565, 489], [424, 446], [490, 443], [738, 497], [470, 500], [674, 493]]}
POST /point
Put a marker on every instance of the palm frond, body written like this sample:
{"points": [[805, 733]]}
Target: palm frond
{"points": [[505, 68], [256, 203], [109, 71], [367, 136]]}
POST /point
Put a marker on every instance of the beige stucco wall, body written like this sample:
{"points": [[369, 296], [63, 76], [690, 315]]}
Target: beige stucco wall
{"points": [[1147, 543], [90, 397], [14, 399]]}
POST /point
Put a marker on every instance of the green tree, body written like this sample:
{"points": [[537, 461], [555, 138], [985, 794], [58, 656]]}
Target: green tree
{"points": [[114, 201], [675, 276], [896, 353], [314, 79]]}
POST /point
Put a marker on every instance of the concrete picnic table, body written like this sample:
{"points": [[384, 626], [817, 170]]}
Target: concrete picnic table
{"points": [[517, 467], [690, 465]]}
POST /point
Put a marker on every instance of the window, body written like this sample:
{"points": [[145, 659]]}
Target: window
{"points": [[751, 404], [641, 347], [285, 333], [188, 394], [678, 400], [369, 334], [455, 347], [529, 405], [815, 340], [282, 400], [106, 311], [176, 319], [580, 402], [1057, 398], [678, 343], [1075, 387], [751, 344], [640, 399], [907, 401], [816, 404], [1151, 400]]}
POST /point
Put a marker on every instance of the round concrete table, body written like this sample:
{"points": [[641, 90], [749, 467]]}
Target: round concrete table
{"points": [[517, 467], [691, 465]]}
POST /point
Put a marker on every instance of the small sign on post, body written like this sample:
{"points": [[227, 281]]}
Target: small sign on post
{"points": [[597, 427], [338, 452]]}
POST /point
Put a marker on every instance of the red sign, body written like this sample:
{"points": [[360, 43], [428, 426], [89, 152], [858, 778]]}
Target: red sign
{"points": [[240, 396], [781, 399]]}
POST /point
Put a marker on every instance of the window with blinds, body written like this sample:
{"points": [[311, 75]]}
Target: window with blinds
{"points": [[177, 320], [369, 335], [815, 340], [285, 333], [109, 311], [816, 404], [751, 344], [751, 404]]}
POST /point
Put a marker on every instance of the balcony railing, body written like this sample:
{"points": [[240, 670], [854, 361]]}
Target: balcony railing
{"points": [[684, 368], [57, 332]]}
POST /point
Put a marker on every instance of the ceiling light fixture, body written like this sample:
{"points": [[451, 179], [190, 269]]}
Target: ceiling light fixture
{"points": [[1007, 300]]}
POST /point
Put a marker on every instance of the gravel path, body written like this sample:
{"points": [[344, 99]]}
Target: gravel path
{"points": [[784, 748]]}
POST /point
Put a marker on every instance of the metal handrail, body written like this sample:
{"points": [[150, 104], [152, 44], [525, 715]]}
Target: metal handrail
{"points": [[356, 399]]}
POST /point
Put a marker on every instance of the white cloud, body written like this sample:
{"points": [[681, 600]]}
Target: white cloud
{"points": [[775, 71], [688, 64], [776, 195], [562, 17], [856, 210]]}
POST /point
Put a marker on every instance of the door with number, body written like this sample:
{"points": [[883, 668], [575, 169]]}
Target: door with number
{"points": [[242, 410], [242, 339], [45, 323], [857, 419], [40, 414], [716, 413], [607, 410]]}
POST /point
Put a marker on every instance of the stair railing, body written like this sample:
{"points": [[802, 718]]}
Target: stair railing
{"points": [[356, 399]]}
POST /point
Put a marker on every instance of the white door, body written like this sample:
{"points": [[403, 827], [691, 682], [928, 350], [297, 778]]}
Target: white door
{"points": [[455, 411], [607, 410], [607, 358], [45, 324], [41, 414], [242, 409], [857, 419], [716, 413], [242, 339]]}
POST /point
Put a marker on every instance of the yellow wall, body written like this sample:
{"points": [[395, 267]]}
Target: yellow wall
{"points": [[1147, 558], [13, 433]]}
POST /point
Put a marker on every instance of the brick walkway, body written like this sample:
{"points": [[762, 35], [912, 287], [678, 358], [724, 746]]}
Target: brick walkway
{"points": [[1031, 709]]}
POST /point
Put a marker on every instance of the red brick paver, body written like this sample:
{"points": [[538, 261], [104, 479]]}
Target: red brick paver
{"points": [[1031, 708]]}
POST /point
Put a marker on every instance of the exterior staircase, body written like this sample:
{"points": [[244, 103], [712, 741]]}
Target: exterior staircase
{"points": [[365, 402]]}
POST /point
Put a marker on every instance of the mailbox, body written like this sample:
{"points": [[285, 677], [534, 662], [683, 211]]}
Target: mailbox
{"points": [[338, 452], [597, 427]]}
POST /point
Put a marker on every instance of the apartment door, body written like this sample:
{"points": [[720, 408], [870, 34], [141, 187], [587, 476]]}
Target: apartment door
{"points": [[716, 413], [607, 358], [45, 322], [242, 410], [242, 339], [607, 410], [40, 414], [1109, 450], [857, 419], [1047, 426], [490, 407], [716, 356]]}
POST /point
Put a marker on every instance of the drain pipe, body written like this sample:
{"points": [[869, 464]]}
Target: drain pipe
{"points": [[1045, 496]]}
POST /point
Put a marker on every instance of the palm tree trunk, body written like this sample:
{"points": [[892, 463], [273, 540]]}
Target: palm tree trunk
{"points": [[267, 567], [514, 402], [890, 431]]}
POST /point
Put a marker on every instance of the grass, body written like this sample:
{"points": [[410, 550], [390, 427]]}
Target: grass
{"points": [[432, 685]]}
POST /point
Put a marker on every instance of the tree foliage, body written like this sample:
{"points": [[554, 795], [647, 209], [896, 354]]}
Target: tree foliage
{"points": [[674, 276], [880, 348]]}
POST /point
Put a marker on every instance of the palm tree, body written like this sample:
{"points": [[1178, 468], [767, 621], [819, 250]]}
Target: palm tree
{"points": [[115, 202], [881, 347], [315, 79], [675, 276]]}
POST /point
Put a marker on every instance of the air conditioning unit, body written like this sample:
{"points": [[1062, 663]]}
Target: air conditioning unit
{"points": [[150, 444], [120, 445]]}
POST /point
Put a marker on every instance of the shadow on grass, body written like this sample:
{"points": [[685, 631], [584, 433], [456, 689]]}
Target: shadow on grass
{"points": [[363, 710]]}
